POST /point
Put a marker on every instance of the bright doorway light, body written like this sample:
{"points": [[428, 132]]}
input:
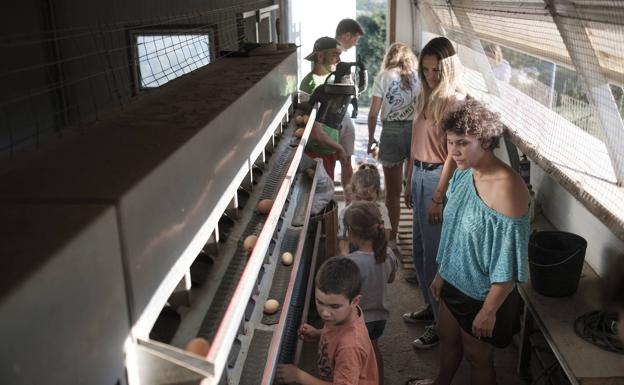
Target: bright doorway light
{"points": [[314, 19]]}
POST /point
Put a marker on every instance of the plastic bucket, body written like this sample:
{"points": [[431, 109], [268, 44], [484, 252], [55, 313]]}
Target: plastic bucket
{"points": [[555, 262]]}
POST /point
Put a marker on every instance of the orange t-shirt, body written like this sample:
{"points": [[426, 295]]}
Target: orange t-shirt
{"points": [[346, 356], [429, 139]]}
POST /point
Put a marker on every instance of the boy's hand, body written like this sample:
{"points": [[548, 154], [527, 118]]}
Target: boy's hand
{"points": [[287, 373], [309, 333]]}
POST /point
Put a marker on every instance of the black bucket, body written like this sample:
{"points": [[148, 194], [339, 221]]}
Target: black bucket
{"points": [[555, 262]]}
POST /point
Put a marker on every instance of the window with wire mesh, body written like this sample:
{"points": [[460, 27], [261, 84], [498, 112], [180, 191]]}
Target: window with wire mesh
{"points": [[558, 72], [555, 86], [69, 73], [165, 55]]}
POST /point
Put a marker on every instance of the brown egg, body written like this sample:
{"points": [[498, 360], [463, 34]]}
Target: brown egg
{"points": [[299, 132], [299, 120], [287, 258], [199, 346], [310, 172], [271, 306], [305, 119], [250, 242], [264, 206]]}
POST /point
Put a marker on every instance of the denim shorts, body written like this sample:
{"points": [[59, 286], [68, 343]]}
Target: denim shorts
{"points": [[395, 143], [375, 329]]}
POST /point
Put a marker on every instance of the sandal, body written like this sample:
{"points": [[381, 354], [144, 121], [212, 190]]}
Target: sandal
{"points": [[419, 381]]}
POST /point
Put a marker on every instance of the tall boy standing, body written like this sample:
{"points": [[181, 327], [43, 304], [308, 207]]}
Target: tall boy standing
{"points": [[345, 352], [348, 32]]}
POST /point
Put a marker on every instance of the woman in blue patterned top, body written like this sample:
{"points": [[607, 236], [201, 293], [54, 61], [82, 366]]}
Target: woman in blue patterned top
{"points": [[483, 248]]}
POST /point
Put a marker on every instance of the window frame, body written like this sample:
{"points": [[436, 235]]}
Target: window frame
{"points": [[210, 30]]}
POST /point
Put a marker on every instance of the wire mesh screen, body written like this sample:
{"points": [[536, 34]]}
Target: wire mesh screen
{"points": [[162, 58], [557, 69], [70, 64]]}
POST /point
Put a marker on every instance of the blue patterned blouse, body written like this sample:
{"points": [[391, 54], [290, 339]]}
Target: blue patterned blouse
{"points": [[479, 246]]}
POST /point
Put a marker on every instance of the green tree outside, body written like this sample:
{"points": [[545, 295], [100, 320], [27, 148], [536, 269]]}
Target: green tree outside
{"points": [[371, 46]]}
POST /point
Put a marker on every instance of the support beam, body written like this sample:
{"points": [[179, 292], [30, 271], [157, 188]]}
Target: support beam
{"points": [[435, 24], [392, 21], [483, 65], [514, 10], [601, 12], [417, 26], [587, 65]]}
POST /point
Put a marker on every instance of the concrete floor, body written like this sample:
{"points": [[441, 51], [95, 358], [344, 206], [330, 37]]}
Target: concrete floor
{"points": [[401, 361]]}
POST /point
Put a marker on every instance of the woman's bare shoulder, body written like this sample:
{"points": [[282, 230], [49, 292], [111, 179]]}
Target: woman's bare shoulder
{"points": [[513, 195]]}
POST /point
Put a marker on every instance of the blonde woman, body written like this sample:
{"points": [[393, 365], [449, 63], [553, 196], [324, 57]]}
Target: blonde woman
{"points": [[394, 93], [430, 170]]}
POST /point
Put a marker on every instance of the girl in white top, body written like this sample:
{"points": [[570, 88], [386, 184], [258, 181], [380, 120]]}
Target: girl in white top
{"points": [[394, 93]]}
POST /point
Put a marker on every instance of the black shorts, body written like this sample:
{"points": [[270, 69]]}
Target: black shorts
{"points": [[465, 309]]}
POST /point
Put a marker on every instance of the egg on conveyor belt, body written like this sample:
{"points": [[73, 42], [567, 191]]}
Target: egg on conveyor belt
{"points": [[287, 258], [250, 242], [264, 206], [271, 306]]}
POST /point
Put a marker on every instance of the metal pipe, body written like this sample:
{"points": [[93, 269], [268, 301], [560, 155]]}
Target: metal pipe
{"points": [[552, 86]]}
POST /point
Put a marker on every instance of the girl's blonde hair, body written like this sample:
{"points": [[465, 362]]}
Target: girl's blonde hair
{"points": [[432, 102], [402, 58], [363, 220], [366, 183]]}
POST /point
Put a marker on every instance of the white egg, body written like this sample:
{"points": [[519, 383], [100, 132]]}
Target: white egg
{"points": [[287, 258], [271, 306]]}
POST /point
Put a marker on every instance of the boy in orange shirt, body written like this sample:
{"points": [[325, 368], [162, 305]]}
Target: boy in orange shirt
{"points": [[345, 352]]}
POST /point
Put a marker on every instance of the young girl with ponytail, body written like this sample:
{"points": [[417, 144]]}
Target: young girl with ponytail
{"points": [[366, 231]]}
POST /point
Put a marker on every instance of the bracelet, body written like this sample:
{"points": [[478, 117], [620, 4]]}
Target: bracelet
{"points": [[436, 202]]}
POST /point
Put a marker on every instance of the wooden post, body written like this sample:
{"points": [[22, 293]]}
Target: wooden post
{"points": [[392, 21], [481, 59]]}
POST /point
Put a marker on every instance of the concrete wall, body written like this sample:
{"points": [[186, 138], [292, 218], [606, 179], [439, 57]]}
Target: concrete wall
{"points": [[19, 100], [568, 214]]}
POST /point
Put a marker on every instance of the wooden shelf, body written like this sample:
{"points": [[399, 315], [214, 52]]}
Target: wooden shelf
{"points": [[582, 362]]}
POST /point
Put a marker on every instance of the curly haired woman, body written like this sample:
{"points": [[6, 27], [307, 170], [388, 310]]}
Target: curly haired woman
{"points": [[483, 249]]}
